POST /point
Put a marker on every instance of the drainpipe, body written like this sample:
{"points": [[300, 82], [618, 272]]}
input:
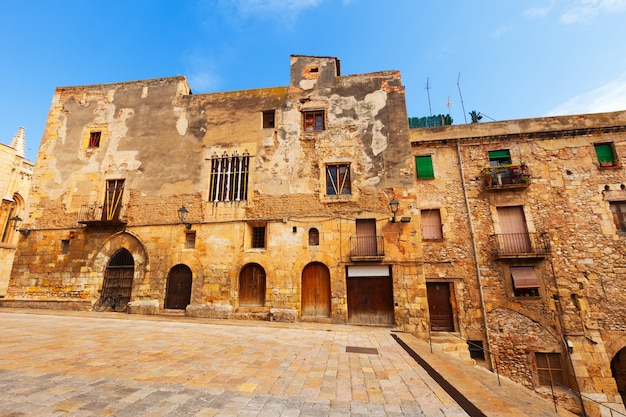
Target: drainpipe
{"points": [[477, 266]]}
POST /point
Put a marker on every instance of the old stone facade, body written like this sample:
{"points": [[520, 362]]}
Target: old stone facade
{"points": [[15, 176], [315, 201], [283, 195], [533, 214]]}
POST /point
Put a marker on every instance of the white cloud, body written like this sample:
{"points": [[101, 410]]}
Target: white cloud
{"points": [[282, 9], [586, 10], [607, 98]]}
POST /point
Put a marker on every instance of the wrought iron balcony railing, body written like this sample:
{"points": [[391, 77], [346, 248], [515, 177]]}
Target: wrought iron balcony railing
{"points": [[508, 176], [96, 215], [514, 245], [367, 248]]}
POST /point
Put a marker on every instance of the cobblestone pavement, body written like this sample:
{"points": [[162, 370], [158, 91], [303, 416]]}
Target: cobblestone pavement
{"points": [[122, 365]]}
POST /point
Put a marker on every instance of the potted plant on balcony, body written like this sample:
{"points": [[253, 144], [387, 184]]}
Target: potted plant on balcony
{"points": [[487, 175], [606, 163]]}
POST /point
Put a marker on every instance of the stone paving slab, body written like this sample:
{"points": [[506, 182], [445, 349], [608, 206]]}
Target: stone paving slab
{"points": [[94, 364]]}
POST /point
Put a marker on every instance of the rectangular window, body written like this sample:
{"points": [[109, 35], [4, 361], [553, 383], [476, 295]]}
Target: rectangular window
{"points": [[525, 282], [431, 224], [424, 167], [338, 179], [605, 153], [94, 139], [476, 350], [190, 240], [268, 119], [258, 237], [65, 246], [313, 120], [549, 368], [229, 177], [499, 157], [618, 210]]}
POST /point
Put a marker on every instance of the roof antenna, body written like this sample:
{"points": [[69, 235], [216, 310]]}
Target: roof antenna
{"points": [[428, 93], [458, 84]]}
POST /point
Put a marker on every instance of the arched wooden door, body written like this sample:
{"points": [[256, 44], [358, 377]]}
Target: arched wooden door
{"points": [[178, 294], [252, 286], [118, 276], [315, 290]]}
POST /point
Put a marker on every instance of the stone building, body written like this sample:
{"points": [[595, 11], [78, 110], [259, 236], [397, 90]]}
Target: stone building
{"points": [[271, 203], [15, 176], [523, 229]]}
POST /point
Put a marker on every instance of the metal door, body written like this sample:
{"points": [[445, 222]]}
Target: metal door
{"points": [[178, 294], [315, 290], [440, 306]]}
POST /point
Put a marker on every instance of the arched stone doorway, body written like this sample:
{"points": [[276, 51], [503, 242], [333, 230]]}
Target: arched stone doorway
{"points": [[315, 290], [178, 293], [252, 286], [118, 276], [618, 367]]}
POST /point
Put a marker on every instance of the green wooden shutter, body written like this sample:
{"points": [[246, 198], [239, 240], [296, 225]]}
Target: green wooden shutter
{"points": [[604, 152], [424, 166], [500, 154]]}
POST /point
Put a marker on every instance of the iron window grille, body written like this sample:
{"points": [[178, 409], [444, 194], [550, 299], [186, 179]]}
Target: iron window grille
{"points": [[229, 177], [258, 237]]}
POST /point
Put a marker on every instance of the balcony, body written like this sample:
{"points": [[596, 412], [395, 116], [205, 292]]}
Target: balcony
{"points": [[96, 215], [522, 245], [506, 177], [367, 248]]}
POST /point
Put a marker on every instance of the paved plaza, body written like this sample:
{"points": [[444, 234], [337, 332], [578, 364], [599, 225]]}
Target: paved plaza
{"points": [[121, 365]]}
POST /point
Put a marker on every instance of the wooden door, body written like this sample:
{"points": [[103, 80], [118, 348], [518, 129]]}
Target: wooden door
{"points": [[366, 237], [515, 237], [440, 306], [118, 276], [252, 286], [370, 300], [315, 290], [178, 294]]}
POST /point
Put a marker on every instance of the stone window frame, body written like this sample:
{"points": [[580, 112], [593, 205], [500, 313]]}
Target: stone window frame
{"points": [[314, 237], [519, 294]]}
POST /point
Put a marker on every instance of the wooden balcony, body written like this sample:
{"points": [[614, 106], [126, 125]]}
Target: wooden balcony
{"points": [[367, 248], [95, 215], [506, 177], [522, 245]]}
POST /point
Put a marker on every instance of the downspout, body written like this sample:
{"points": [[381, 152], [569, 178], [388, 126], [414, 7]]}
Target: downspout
{"points": [[476, 264]]}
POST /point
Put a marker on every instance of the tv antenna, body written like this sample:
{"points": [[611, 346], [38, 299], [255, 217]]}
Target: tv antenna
{"points": [[428, 93], [458, 84]]}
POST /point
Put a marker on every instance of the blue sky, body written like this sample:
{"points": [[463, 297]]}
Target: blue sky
{"points": [[511, 59]]}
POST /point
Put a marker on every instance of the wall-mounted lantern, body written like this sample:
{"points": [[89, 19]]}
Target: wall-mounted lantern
{"points": [[17, 220], [182, 215], [393, 206]]}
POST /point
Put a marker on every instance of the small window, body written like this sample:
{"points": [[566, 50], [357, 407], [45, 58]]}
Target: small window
{"points": [[618, 210], [431, 224], [525, 282], [499, 158], [549, 368], [476, 350], [314, 237], [190, 240], [424, 167], [314, 121], [338, 179], [94, 139], [65, 246], [268, 119], [606, 154], [258, 237]]}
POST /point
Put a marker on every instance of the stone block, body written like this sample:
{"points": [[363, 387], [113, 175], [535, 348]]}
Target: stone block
{"points": [[143, 307], [283, 315], [217, 311]]}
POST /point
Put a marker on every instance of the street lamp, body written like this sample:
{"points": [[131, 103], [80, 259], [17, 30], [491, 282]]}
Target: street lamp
{"points": [[393, 206], [17, 220], [182, 215]]}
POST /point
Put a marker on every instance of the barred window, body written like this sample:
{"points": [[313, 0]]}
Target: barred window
{"points": [[229, 177], [94, 139]]}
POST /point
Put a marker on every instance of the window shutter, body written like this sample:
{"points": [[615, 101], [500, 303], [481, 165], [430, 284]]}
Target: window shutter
{"points": [[604, 152], [424, 166], [524, 277], [500, 154]]}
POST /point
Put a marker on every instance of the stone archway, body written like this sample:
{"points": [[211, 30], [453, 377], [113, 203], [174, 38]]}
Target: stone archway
{"points": [[618, 368]]}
